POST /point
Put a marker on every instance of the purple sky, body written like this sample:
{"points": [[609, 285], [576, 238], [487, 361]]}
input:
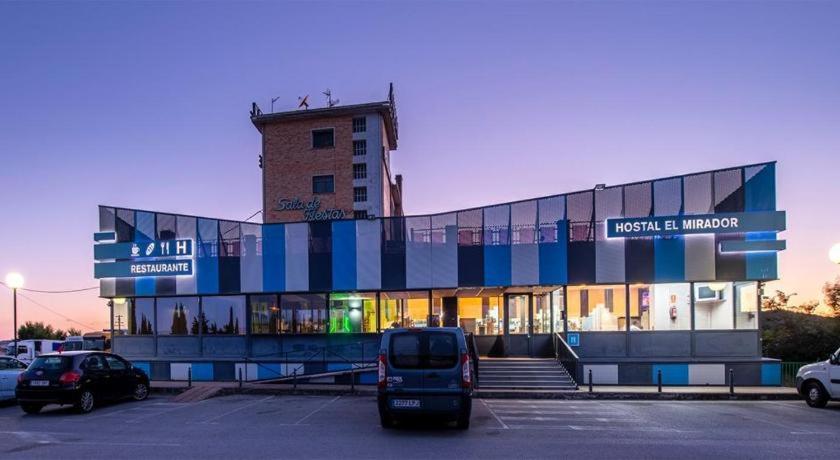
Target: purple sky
{"points": [[146, 105]]}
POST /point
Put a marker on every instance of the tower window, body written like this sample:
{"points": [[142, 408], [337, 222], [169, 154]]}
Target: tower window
{"points": [[359, 148], [323, 184], [323, 138], [359, 194], [360, 171], [359, 124]]}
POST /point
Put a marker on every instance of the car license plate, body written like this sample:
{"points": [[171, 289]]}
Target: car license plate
{"points": [[405, 403], [40, 383]]}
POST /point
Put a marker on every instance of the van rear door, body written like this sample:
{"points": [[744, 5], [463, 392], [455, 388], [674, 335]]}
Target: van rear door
{"points": [[442, 373], [405, 362]]}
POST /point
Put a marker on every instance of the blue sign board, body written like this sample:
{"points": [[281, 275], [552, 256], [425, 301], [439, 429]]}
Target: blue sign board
{"points": [[573, 339], [161, 248], [104, 236], [733, 222], [132, 269]]}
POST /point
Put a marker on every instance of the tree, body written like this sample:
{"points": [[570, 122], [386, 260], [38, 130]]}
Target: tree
{"points": [[809, 306], [73, 331], [831, 291], [779, 301], [38, 330]]}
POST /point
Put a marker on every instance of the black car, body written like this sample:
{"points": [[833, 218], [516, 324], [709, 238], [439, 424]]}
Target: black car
{"points": [[79, 378]]}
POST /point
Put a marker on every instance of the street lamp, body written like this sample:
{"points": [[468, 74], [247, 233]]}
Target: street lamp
{"points": [[13, 282], [834, 253]]}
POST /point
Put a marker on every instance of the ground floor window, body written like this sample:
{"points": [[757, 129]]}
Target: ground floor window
{"points": [[404, 309], [223, 315], [352, 313], [713, 306], [542, 313], [480, 315], [141, 316], [265, 314], [305, 313], [660, 307], [746, 305], [177, 316], [558, 307], [596, 308]]}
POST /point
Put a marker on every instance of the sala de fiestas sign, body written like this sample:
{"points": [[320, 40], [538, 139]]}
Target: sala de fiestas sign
{"points": [[311, 210], [734, 222]]}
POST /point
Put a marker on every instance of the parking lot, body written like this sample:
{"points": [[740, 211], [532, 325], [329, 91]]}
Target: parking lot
{"points": [[251, 426]]}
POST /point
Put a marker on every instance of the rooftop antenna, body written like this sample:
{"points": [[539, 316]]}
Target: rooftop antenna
{"points": [[303, 102], [330, 101], [273, 100]]}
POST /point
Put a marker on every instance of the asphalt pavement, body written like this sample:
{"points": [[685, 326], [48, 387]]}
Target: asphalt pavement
{"points": [[297, 426]]}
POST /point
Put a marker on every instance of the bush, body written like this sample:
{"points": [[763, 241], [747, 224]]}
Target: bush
{"points": [[794, 336]]}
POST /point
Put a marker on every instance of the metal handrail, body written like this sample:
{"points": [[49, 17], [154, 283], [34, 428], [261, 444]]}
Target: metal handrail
{"points": [[567, 357]]}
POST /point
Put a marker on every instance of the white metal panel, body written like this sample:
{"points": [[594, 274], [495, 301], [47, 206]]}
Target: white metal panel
{"points": [[249, 371], [297, 257], [602, 374], [179, 371], [524, 264], [699, 257], [368, 254], [706, 374], [251, 260]]}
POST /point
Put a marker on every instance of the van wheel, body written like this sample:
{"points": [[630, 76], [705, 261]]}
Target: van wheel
{"points": [[386, 420], [32, 408], [85, 403], [815, 396], [463, 422]]}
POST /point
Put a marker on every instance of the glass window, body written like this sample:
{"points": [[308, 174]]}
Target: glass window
{"points": [[480, 315], [443, 350], [323, 184], [360, 214], [518, 313], [359, 194], [177, 315], [116, 363], [360, 148], [265, 315], [713, 306], [323, 138], [306, 313], [360, 171], [660, 307], [141, 315], [542, 313], [352, 313], [359, 124], [404, 309], [405, 350], [596, 308], [558, 305], [223, 315], [746, 305]]}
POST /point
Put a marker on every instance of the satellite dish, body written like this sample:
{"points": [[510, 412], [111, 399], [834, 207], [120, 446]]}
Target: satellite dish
{"points": [[303, 102]]}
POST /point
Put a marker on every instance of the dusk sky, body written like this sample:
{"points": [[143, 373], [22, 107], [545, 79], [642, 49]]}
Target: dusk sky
{"points": [[146, 105]]}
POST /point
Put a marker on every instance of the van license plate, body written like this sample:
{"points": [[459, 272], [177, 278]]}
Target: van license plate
{"points": [[40, 383], [405, 403]]}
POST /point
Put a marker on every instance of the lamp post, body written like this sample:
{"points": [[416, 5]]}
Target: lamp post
{"points": [[13, 282]]}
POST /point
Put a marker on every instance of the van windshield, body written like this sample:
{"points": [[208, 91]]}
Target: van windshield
{"points": [[423, 350]]}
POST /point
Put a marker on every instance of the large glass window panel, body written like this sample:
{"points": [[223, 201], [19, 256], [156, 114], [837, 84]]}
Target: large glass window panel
{"points": [[177, 316], [518, 313], [417, 311], [141, 315], [596, 308], [404, 309], [480, 315], [223, 315], [265, 314], [542, 313], [558, 306], [660, 307], [352, 313], [746, 305], [307, 313], [713, 305]]}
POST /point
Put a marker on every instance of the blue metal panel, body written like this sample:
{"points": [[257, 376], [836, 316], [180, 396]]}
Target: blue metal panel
{"points": [[207, 261], [144, 366], [553, 261], [669, 259], [202, 371], [274, 258], [672, 374], [497, 265], [344, 255], [338, 367], [771, 374], [269, 371], [760, 195]]}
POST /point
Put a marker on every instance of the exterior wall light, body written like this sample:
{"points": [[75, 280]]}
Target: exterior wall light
{"points": [[717, 287]]}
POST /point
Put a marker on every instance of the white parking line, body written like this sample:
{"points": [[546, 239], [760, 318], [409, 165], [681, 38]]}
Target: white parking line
{"points": [[494, 414], [156, 413], [225, 414], [318, 409]]}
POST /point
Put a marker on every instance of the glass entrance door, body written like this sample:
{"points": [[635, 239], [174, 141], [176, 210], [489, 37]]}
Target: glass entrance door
{"points": [[518, 324]]}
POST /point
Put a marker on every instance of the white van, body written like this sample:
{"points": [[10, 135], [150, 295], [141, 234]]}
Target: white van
{"points": [[28, 350], [73, 343], [820, 382]]}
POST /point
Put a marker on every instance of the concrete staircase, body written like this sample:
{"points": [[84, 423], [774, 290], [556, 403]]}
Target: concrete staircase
{"points": [[523, 374]]}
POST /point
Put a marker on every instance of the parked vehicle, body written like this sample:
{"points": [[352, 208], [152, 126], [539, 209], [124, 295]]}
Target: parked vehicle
{"points": [[73, 343], [79, 378], [10, 368], [424, 372], [820, 382], [97, 341], [29, 349]]}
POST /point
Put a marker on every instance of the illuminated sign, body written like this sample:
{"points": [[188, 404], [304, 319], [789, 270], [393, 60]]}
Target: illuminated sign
{"points": [[735, 222], [134, 269], [311, 210], [163, 248]]}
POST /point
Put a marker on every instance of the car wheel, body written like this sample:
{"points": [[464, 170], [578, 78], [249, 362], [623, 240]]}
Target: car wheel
{"points": [[85, 403], [141, 391], [32, 408], [815, 396], [463, 422], [386, 420]]}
